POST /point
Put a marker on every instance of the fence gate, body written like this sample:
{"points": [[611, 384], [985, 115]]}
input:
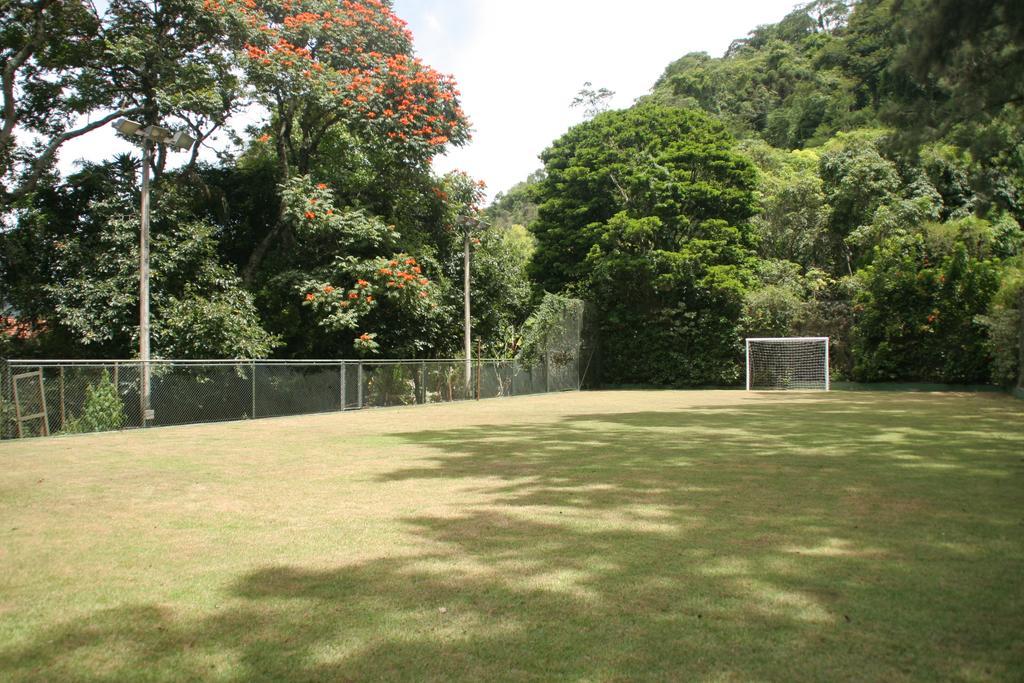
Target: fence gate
{"points": [[20, 418]]}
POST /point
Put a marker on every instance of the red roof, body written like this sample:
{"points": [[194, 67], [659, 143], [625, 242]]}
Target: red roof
{"points": [[21, 329]]}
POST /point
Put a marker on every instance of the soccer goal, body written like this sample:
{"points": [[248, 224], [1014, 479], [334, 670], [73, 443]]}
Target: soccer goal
{"points": [[787, 363]]}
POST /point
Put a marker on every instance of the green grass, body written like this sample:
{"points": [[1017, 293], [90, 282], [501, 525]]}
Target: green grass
{"points": [[595, 536]]}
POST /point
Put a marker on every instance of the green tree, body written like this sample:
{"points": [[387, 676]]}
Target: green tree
{"points": [[1004, 322], [68, 70], [668, 310], [676, 165], [965, 57], [777, 83], [917, 315], [83, 278], [793, 218], [517, 206], [53, 65], [170, 60], [870, 196], [500, 286]]}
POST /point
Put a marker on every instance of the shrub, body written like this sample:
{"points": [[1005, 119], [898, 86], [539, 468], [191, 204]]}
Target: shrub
{"points": [[917, 314], [1004, 321], [103, 410]]}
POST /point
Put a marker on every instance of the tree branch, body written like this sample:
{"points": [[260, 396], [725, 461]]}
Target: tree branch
{"points": [[43, 161], [11, 70]]}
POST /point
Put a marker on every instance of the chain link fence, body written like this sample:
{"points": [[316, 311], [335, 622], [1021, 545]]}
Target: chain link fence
{"points": [[45, 397]]}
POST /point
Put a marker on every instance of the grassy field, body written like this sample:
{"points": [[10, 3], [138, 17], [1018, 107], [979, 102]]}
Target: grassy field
{"points": [[585, 536]]}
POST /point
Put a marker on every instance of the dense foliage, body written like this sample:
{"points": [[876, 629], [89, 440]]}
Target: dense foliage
{"points": [[855, 170], [888, 142], [919, 307], [330, 195]]}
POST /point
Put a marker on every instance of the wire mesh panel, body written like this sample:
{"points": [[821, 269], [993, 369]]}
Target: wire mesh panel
{"points": [[562, 370], [391, 384], [192, 393], [8, 427], [75, 398], [530, 379], [494, 379], [446, 381], [91, 396], [297, 389]]}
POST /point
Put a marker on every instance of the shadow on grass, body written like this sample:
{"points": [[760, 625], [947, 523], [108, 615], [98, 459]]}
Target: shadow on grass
{"points": [[849, 538]]}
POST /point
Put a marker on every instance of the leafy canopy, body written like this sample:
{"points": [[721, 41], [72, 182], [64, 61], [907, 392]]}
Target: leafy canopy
{"points": [[676, 165]]}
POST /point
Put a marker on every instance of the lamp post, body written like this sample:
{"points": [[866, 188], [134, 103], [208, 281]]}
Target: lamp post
{"points": [[468, 223], [180, 141]]}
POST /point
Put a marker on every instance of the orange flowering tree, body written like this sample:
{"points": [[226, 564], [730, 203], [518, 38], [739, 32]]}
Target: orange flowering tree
{"points": [[339, 78], [317, 64], [393, 294], [359, 290], [460, 196]]}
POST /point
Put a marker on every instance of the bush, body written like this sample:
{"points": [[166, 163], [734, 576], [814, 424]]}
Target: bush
{"points": [[1004, 321], [773, 308], [103, 410], [917, 314]]}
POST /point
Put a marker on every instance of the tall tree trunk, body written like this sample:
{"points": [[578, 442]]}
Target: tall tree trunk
{"points": [[282, 141]]}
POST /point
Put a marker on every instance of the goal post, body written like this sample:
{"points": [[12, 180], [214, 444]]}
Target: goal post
{"points": [[787, 363]]}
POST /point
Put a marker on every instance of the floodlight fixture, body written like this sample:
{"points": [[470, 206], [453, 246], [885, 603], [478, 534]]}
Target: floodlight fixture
{"points": [[156, 133], [182, 140], [177, 139], [468, 222], [126, 127]]}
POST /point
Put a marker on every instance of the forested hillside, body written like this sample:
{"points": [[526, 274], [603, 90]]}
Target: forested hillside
{"points": [[855, 170]]}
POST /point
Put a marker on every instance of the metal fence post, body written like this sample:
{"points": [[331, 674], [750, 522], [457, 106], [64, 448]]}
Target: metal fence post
{"points": [[359, 380], [63, 410], [423, 382], [341, 385], [253, 367], [479, 368], [7, 423]]}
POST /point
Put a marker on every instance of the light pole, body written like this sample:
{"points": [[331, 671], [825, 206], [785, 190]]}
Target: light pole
{"points": [[468, 223], [181, 141]]}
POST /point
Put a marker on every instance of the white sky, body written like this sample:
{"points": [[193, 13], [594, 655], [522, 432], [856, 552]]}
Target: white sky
{"points": [[519, 63]]}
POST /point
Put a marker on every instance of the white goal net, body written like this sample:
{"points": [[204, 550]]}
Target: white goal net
{"points": [[787, 363]]}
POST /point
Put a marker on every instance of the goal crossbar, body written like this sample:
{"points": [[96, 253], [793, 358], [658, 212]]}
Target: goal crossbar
{"points": [[787, 363]]}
